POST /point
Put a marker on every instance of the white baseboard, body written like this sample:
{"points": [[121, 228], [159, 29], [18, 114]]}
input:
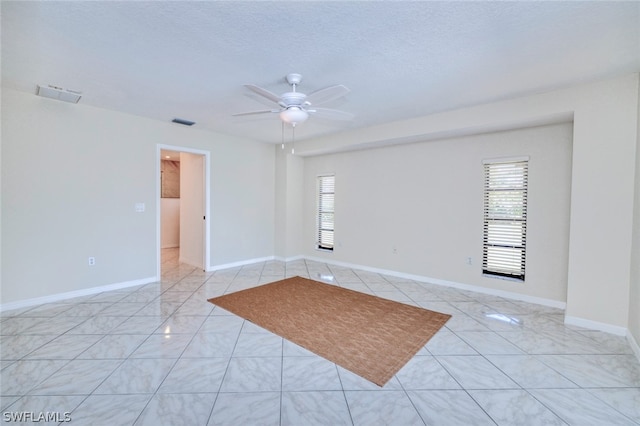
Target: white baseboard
{"points": [[240, 263], [76, 293], [595, 325], [288, 259], [446, 283]]}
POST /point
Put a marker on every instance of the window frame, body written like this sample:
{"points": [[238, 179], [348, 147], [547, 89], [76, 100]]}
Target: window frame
{"points": [[505, 204], [321, 241]]}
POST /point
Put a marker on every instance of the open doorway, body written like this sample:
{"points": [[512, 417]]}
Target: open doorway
{"points": [[183, 206]]}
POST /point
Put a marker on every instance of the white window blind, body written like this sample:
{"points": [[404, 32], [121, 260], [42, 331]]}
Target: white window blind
{"points": [[505, 218], [325, 218]]}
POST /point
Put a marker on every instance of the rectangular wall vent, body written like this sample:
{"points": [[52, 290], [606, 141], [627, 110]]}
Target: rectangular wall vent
{"points": [[59, 93]]}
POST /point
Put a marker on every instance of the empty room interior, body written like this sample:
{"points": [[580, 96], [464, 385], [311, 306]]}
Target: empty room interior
{"points": [[477, 160]]}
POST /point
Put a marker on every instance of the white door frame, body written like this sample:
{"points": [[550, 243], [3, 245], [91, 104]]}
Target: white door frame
{"points": [[207, 192]]}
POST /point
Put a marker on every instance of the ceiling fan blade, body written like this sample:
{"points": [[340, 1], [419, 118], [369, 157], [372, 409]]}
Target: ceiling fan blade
{"points": [[331, 114], [263, 92], [265, 111], [327, 94]]}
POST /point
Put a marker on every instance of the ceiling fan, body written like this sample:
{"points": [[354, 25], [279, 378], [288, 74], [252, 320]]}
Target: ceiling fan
{"points": [[295, 107]]}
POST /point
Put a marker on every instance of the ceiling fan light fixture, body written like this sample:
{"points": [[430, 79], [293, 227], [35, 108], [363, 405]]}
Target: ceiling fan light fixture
{"points": [[294, 115]]}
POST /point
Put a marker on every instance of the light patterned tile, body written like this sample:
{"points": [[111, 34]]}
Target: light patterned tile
{"points": [[612, 344], [21, 376], [309, 373], [448, 408], [489, 343], [78, 377], [55, 326], [529, 372], [136, 376], [102, 409], [67, 346], [86, 309], [381, 408], [222, 324], [515, 407], [122, 309], [624, 400], [196, 307], [315, 408], [49, 310], [195, 375], [229, 371], [159, 308], [460, 322], [177, 409], [445, 342], [253, 375], [597, 370], [292, 349], [7, 401], [17, 325], [211, 345], [114, 346], [97, 325], [475, 372], [258, 344], [181, 324], [425, 372], [19, 346], [248, 408], [579, 407], [162, 346], [58, 406]]}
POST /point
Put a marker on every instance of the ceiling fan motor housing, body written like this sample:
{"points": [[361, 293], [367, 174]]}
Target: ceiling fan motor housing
{"points": [[293, 99]]}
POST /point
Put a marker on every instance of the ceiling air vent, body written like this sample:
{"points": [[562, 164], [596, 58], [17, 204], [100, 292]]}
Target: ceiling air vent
{"points": [[59, 93], [182, 121]]}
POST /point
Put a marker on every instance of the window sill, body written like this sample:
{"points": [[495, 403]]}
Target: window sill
{"points": [[324, 249], [500, 277]]}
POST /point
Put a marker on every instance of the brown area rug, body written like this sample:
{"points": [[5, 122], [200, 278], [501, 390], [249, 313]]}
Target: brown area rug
{"points": [[368, 335]]}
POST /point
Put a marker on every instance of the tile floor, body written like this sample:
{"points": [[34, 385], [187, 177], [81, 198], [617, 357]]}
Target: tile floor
{"points": [[160, 354]]}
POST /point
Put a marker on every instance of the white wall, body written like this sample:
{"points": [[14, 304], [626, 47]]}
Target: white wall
{"points": [[634, 298], [288, 196], [426, 201], [71, 176], [242, 202], [170, 222], [64, 199], [192, 209], [603, 179]]}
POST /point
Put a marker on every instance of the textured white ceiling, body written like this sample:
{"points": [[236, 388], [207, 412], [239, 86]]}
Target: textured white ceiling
{"points": [[400, 59]]}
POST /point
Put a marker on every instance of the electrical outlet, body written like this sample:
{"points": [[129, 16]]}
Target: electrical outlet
{"points": [[469, 261], [92, 261], [394, 250]]}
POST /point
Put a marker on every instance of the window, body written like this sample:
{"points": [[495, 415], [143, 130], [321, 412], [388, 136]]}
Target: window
{"points": [[505, 218], [326, 197]]}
